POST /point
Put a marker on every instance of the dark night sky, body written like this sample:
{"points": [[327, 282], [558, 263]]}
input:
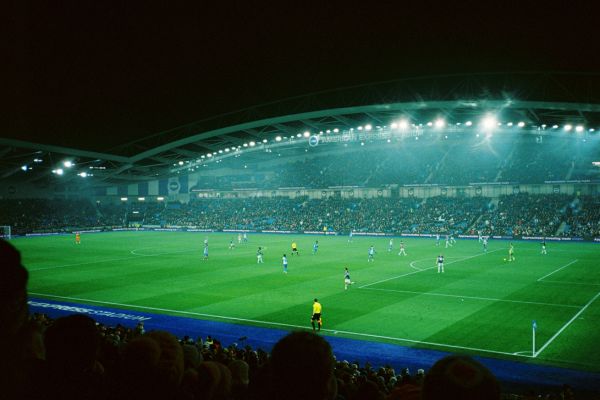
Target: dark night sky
{"points": [[98, 74]]}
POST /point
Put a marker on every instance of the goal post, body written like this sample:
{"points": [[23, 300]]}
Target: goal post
{"points": [[5, 232]]}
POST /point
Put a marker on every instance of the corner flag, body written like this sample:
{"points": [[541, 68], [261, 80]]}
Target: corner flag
{"points": [[533, 329]]}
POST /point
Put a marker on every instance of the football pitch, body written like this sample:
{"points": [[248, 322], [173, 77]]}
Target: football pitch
{"points": [[480, 305]]}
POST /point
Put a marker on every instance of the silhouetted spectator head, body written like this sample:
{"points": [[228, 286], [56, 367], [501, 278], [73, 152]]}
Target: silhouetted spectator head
{"points": [[152, 365], [72, 344], [460, 377], [302, 367], [13, 291]]}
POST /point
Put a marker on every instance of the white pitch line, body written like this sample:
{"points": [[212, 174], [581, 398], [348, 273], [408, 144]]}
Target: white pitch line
{"points": [[573, 283], [442, 345], [565, 326], [474, 297], [425, 269], [109, 260], [556, 270], [417, 268]]}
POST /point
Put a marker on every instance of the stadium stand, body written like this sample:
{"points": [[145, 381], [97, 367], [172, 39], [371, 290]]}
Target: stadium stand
{"points": [[520, 214]]}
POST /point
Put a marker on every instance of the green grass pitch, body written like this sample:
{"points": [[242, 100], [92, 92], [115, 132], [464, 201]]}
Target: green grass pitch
{"points": [[480, 305]]}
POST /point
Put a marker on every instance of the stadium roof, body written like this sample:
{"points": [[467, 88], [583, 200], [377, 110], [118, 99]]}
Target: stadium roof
{"points": [[115, 87], [455, 98]]}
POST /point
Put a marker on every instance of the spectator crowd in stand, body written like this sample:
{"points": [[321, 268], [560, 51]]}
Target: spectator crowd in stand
{"points": [[510, 215]]}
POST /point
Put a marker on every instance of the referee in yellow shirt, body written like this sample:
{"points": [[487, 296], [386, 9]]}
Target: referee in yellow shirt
{"points": [[316, 315]]}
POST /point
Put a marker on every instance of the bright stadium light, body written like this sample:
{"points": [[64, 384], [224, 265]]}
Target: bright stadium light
{"points": [[521, 124], [123, 198], [568, 127], [555, 126], [591, 130], [180, 163], [403, 124], [58, 171], [306, 134], [24, 167], [68, 164], [278, 138], [468, 123], [220, 151], [252, 144], [83, 174], [439, 123], [227, 150], [509, 124], [430, 123], [394, 125], [160, 198], [141, 199], [37, 160], [336, 130], [489, 122], [368, 127], [265, 140], [579, 128], [360, 128], [209, 155], [245, 144]]}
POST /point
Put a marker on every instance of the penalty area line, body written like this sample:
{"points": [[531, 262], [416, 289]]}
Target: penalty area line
{"points": [[280, 324], [425, 269], [556, 270], [565, 326]]}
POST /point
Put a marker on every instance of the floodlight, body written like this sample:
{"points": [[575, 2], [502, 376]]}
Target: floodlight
{"points": [[68, 164], [430, 124], [264, 140], [403, 124], [359, 128], [521, 124], [245, 144], [278, 138], [394, 125], [252, 144], [468, 123], [141, 199], [554, 126], [368, 127], [180, 163], [509, 124], [489, 122], [123, 198], [227, 150], [439, 123], [328, 131], [543, 126], [362, 143], [160, 198], [389, 141], [300, 135], [579, 128], [83, 174], [220, 151], [59, 171], [306, 134], [568, 127], [24, 167], [209, 155], [336, 130], [37, 160], [591, 129]]}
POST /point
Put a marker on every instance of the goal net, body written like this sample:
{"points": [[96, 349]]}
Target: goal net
{"points": [[5, 232]]}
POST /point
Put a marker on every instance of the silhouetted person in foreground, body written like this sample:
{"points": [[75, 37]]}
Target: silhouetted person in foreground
{"points": [[302, 368], [460, 377], [14, 377]]}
